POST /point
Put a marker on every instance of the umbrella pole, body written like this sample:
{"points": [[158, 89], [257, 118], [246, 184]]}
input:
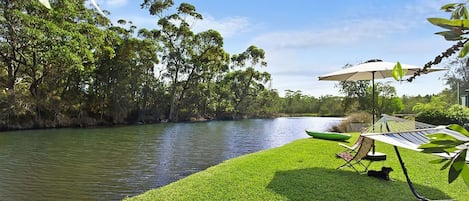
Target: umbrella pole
{"points": [[373, 105]]}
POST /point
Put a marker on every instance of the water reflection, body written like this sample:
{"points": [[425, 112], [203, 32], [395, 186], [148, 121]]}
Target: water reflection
{"points": [[112, 163]]}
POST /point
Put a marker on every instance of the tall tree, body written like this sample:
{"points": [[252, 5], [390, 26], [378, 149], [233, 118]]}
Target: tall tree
{"points": [[246, 82], [209, 61], [192, 60], [123, 80], [328, 106], [47, 50], [355, 93], [388, 102]]}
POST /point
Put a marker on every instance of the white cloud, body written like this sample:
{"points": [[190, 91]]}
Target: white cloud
{"points": [[344, 33], [228, 27], [375, 23], [296, 58]]}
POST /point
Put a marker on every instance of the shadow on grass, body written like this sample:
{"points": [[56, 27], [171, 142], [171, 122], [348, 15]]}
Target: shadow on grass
{"points": [[331, 184]]}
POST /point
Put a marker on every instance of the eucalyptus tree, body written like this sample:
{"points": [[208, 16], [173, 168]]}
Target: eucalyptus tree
{"points": [[191, 60], [124, 79], [149, 91], [410, 101], [296, 102], [209, 62], [267, 103], [11, 58], [48, 51], [292, 101], [356, 95], [245, 82], [196, 66], [388, 102], [328, 106]]}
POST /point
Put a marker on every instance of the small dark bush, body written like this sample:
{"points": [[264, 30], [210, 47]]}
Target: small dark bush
{"points": [[346, 124]]}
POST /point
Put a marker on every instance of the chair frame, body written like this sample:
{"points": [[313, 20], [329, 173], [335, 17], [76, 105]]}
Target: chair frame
{"points": [[350, 160], [352, 149]]}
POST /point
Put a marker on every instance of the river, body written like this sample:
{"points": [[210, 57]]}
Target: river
{"points": [[113, 163]]}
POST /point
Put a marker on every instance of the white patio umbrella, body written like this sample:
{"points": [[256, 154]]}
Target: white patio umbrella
{"points": [[371, 70]]}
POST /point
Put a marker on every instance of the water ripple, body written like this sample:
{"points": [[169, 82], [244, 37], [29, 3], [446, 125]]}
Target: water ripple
{"points": [[113, 163]]}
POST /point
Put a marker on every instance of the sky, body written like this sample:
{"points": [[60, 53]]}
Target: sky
{"points": [[304, 39]]}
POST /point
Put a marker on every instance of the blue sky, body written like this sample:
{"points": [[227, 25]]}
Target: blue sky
{"points": [[304, 39]]}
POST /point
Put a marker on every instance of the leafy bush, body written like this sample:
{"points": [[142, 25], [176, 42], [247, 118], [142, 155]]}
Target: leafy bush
{"points": [[455, 114]]}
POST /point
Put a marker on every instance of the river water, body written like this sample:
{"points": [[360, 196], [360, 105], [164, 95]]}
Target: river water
{"points": [[113, 163]]}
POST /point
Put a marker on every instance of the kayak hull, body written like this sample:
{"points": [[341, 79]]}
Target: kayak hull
{"points": [[329, 135]]}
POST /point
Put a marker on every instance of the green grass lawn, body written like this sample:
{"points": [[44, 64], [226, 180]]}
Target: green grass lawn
{"points": [[306, 170]]}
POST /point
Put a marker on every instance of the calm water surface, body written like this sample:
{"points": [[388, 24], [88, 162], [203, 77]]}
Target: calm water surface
{"points": [[113, 163]]}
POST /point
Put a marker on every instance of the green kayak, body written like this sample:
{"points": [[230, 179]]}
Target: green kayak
{"points": [[329, 135]]}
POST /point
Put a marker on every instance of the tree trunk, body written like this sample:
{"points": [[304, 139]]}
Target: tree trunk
{"points": [[172, 108]]}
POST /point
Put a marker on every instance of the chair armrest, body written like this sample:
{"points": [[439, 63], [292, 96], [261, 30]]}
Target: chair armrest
{"points": [[345, 146]]}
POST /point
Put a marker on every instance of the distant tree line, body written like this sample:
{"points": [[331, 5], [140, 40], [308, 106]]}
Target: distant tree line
{"points": [[70, 66], [295, 102]]}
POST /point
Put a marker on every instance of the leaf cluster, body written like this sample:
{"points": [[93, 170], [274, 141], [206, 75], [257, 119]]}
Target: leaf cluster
{"points": [[455, 148], [397, 72], [457, 27]]}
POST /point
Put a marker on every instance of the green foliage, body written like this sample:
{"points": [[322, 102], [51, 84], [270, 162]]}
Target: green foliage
{"points": [[247, 82], [46, 3], [295, 102], [457, 78], [459, 129], [69, 66], [457, 26], [410, 101], [157, 6], [397, 72], [437, 103], [329, 107], [456, 150], [388, 102], [356, 94], [358, 97], [439, 112], [457, 29]]}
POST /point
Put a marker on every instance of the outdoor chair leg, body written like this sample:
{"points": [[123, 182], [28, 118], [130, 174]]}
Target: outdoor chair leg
{"points": [[352, 166], [367, 166]]}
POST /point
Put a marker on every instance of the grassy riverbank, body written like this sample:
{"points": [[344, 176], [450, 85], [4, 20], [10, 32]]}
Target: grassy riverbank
{"points": [[305, 170]]}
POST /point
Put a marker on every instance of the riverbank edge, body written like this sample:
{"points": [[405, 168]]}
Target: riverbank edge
{"points": [[104, 124], [305, 169]]}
